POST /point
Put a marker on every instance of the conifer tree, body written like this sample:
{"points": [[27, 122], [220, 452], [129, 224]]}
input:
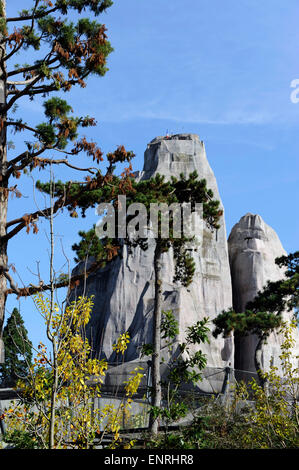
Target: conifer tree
{"points": [[18, 351], [281, 295]]}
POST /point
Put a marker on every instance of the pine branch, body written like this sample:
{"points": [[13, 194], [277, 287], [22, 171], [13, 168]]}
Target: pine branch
{"points": [[65, 199], [49, 161], [41, 287], [20, 82], [33, 16], [21, 93], [21, 126], [37, 65], [20, 45], [25, 158]]}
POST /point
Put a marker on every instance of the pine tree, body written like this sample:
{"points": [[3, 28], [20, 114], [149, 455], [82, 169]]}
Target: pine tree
{"points": [[264, 313], [281, 295], [18, 351], [158, 191]]}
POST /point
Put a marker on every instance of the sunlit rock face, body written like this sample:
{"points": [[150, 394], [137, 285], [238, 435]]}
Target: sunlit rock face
{"points": [[124, 290], [253, 248]]}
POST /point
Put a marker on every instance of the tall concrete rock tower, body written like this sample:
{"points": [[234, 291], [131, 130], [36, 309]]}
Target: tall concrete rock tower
{"points": [[124, 289], [253, 247]]}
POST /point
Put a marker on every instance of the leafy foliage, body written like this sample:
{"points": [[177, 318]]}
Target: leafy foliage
{"points": [[273, 422], [284, 294], [77, 423], [253, 417], [90, 245], [248, 322], [213, 427], [184, 365]]}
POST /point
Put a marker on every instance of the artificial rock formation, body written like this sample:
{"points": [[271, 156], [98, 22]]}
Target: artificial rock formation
{"points": [[253, 248], [124, 289]]}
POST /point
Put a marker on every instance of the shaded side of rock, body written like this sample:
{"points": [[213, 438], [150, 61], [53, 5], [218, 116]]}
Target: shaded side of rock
{"points": [[253, 248]]}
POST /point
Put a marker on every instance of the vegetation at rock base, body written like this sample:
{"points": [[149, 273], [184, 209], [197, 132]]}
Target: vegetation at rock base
{"points": [[78, 423], [251, 417], [248, 417], [184, 361]]}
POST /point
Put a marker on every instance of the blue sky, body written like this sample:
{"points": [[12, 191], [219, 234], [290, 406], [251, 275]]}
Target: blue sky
{"points": [[218, 69]]}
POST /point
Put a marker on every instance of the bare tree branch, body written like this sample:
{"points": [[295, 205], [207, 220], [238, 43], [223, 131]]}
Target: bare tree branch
{"points": [[49, 161], [41, 287], [23, 92], [24, 82]]}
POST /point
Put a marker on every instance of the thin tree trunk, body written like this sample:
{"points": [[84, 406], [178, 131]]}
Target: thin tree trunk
{"points": [[3, 264], [156, 374], [51, 441], [3, 186], [51, 337]]}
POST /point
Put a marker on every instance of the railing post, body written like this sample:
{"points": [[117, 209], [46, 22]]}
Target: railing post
{"points": [[148, 380], [226, 382], [2, 423]]}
